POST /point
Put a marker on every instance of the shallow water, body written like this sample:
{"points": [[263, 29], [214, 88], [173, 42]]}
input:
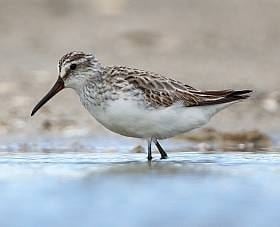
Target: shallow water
{"points": [[64, 187]]}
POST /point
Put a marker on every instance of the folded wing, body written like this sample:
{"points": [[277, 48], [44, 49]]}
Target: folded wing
{"points": [[162, 91]]}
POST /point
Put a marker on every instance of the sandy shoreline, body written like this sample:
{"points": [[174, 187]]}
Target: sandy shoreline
{"points": [[207, 44]]}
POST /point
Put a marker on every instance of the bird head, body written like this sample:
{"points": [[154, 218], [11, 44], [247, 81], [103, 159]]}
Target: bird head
{"points": [[74, 69]]}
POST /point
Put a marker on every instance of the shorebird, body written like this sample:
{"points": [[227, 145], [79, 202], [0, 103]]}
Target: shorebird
{"points": [[138, 103]]}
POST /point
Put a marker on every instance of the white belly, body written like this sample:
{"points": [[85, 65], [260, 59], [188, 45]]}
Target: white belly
{"points": [[128, 119]]}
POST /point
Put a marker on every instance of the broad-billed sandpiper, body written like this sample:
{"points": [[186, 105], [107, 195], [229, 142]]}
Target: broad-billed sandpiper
{"points": [[138, 103]]}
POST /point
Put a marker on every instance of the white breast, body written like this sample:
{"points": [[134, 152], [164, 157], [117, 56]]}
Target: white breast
{"points": [[129, 119]]}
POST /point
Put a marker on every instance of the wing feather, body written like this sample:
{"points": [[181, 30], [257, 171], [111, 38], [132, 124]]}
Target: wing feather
{"points": [[163, 91]]}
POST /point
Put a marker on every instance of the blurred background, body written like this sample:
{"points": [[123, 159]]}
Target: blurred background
{"points": [[209, 44]]}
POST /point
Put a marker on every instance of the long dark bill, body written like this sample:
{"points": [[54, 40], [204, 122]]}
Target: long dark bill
{"points": [[57, 87]]}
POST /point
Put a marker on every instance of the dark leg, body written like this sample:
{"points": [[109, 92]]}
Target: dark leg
{"points": [[160, 149], [149, 149]]}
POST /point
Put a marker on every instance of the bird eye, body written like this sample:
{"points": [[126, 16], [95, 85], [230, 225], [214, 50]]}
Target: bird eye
{"points": [[73, 66]]}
